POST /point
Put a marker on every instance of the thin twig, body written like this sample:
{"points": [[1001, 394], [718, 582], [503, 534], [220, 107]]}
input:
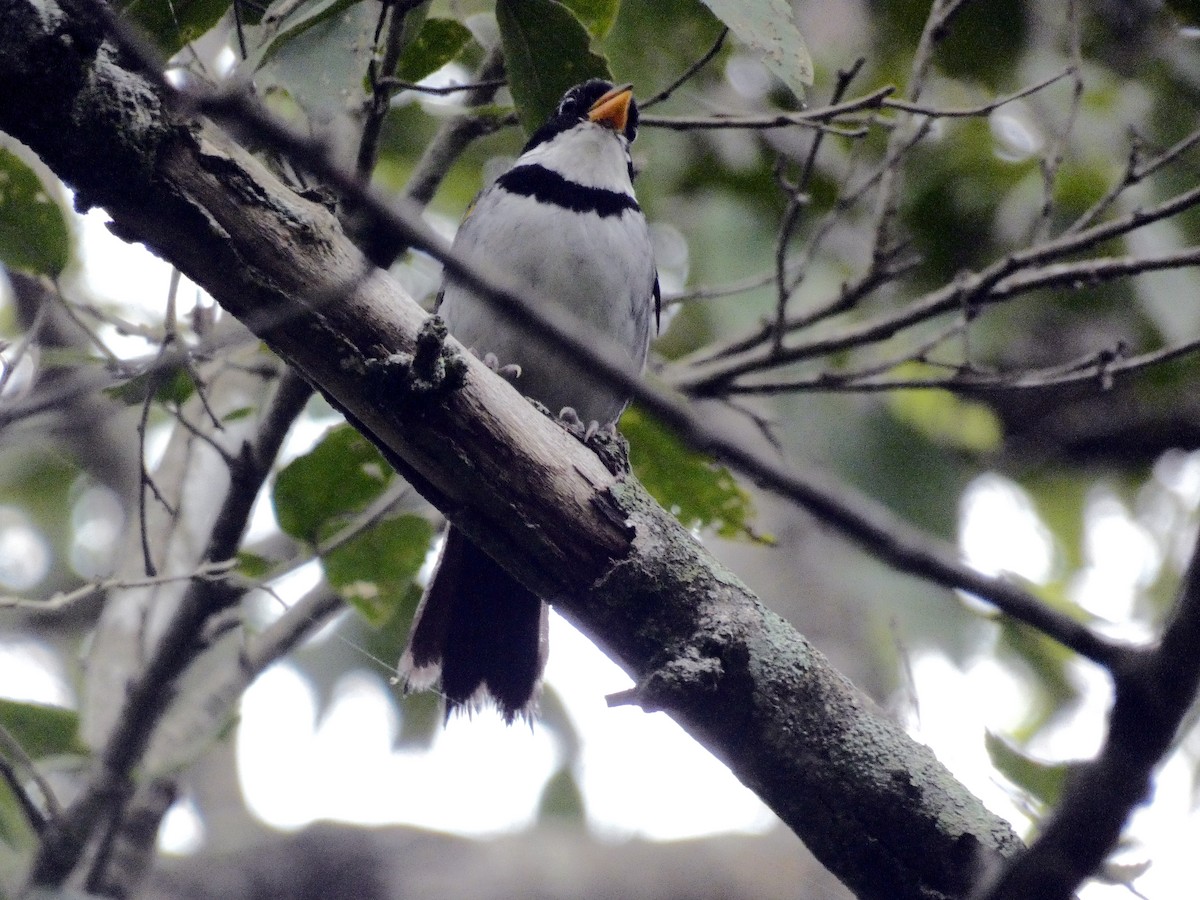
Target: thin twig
{"points": [[689, 73], [148, 693], [1154, 689], [65, 599], [378, 103], [936, 28], [457, 134], [1136, 170], [998, 282], [1052, 161], [1105, 368], [12, 748], [798, 200], [974, 112], [442, 90], [812, 118]]}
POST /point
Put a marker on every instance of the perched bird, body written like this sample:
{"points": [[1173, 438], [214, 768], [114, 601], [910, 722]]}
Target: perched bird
{"points": [[564, 222]]}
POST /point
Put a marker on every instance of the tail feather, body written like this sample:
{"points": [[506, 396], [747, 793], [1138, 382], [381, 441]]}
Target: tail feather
{"points": [[481, 630]]}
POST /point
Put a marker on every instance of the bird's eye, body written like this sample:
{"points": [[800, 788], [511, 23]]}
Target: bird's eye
{"points": [[569, 104]]}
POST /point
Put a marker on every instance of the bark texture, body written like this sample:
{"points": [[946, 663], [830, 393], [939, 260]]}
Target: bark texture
{"points": [[873, 805]]}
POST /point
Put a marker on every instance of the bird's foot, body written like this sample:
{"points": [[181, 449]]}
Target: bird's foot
{"points": [[431, 371], [510, 372], [603, 440], [569, 420]]}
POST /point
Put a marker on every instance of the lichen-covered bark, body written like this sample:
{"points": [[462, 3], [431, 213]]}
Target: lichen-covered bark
{"points": [[874, 806]]}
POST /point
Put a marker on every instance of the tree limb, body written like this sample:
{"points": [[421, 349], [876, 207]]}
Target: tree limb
{"points": [[875, 806]]}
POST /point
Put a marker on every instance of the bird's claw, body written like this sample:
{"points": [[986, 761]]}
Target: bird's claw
{"points": [[603, 440], [509, 372]]}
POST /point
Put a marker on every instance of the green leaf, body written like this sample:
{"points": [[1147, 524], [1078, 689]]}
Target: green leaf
{"points": [[168, 387], [242, 412], [340, 476], [562, 801], [700, 493], [768, 27], [34, 236], [253, 566], [597, 16], [1052, 688], [298, 21], [42, 730], [547, 51], [173, 23], [1059, 498], [437, 43], [373, 571], [1186, 11], [948, 420], [318, 60], [1041, 780]]}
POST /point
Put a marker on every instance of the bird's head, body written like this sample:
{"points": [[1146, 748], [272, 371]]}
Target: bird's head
{"points": [[595, 101]]}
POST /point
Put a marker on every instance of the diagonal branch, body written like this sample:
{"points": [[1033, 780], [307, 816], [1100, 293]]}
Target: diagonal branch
{"points": [[874, 805], [1155, 688]]}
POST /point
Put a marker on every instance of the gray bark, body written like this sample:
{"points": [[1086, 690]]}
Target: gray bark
{"points": [[874, 806]]}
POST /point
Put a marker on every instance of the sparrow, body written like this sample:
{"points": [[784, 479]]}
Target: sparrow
{"points": [[563, 221]]}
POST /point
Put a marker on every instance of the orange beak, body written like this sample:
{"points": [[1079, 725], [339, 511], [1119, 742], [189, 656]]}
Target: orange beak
{"points": [[612, 110]]}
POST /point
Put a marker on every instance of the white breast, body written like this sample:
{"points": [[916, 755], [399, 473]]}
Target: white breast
{"points": [[601, 268]]}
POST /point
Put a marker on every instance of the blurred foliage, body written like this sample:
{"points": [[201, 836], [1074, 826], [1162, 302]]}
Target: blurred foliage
{"points": [[172, 24], [1041, 780], [948, 420], [700, 493], [41, 730], [374, 571], [34, 236], [437, 43]]}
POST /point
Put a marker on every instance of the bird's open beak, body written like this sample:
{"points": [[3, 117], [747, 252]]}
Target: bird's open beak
{"points": [[612, 109]]}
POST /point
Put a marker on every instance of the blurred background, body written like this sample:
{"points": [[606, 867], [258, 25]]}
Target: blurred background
{"points": [[1087, 491]]}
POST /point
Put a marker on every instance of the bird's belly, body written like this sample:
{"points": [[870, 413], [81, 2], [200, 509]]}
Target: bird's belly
{"points": [[599, 268]]}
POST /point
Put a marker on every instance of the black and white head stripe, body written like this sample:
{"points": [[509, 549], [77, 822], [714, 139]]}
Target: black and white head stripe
{"points": [[573, 109], [548, 186]]}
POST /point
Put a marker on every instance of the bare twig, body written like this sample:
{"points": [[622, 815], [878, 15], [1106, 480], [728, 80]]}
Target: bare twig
{"points": [[14, 756], [380, 66], [691, 71], [996, 283], [732, 289], [457, 134], [443, 90], [1137, 170], [937, 25], [798, 200], [974, 112], [1105, 368], [8, 774], [64, 599], [149, 692], [813, 118], [1052, 161]]}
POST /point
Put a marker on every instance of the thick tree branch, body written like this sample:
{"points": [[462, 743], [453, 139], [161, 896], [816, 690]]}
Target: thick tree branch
{"points": [[1155, 688], [875, 807]]}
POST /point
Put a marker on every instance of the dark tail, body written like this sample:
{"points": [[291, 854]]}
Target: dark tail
{"points": [[481, 630]]}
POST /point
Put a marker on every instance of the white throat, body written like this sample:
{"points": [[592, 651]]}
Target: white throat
{"points": [[588, 154]]}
